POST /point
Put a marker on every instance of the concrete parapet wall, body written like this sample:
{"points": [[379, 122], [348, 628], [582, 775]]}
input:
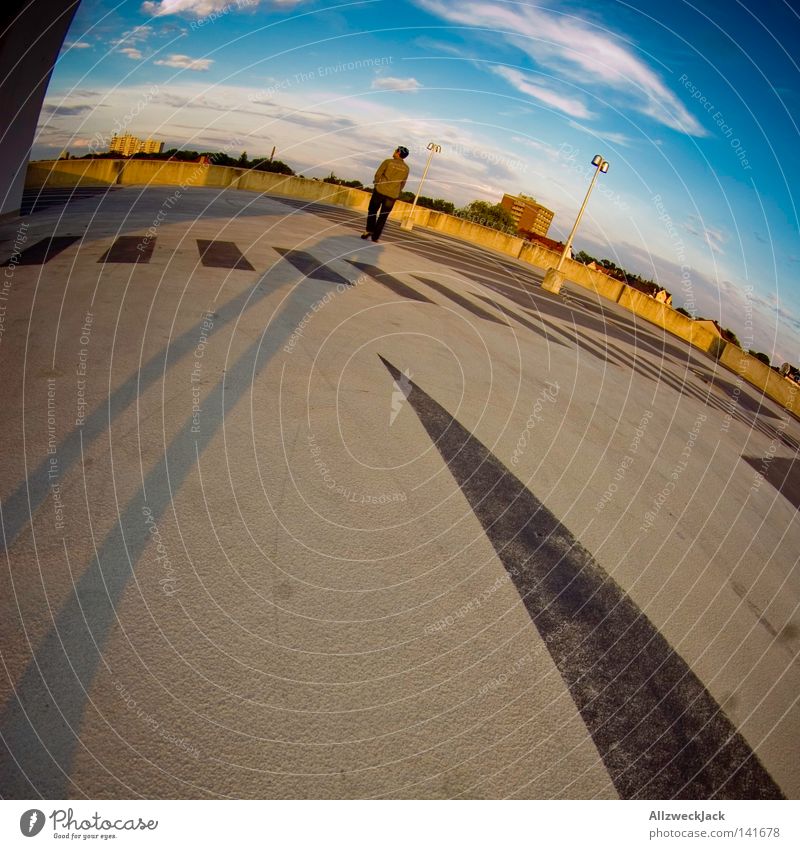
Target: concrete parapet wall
{"points": [[477, 234], [785, 392], [65, 173], [460, 228], [673, 322], [139, 172], [577, 272], [313, 191], [402, 209]]}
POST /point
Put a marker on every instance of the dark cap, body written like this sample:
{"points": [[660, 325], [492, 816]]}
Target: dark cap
{"points": [[403, 151]]}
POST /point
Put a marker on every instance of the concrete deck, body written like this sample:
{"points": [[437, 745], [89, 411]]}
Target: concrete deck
{"points": [[290, 514]]}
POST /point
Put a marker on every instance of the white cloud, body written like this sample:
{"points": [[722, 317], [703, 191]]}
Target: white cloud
{"points": [[131, 52], [133, 36], [77, 45], [179, 60], [201, 8], [160, 8], [396, 84], [526, 85], [575, 50]]}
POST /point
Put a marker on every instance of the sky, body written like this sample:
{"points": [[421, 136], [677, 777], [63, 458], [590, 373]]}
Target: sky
{"points": [[694, 105]]}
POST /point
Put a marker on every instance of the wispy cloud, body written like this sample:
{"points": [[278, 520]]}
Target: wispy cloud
{"points": [[132, 52], [541, 147], [576, 50], [201, 8], [179, 60], [528, 85], [62, 110], [77, 45], [712, 236], [603, 135], [396, 84], [438, 47], [136, 35]]}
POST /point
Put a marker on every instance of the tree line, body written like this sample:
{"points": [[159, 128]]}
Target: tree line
{"points": [[175, 154]]}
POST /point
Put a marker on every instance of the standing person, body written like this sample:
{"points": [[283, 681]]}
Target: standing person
{"points": [[390, 178]]}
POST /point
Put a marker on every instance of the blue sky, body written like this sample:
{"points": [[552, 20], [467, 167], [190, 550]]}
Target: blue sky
{"points": [[693, 107]]}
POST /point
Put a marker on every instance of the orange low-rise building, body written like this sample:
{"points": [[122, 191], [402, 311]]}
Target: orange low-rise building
{"points": [[528, 215]]}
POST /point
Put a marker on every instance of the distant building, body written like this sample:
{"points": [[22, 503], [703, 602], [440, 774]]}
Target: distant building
{"points": [[152, 146], [127, 145], [653, 290], [595, 267], [788, 371], [544, 241], [529, 216]]}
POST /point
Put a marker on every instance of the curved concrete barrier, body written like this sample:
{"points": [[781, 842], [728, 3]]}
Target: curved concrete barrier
{"points": [[64, 173]]}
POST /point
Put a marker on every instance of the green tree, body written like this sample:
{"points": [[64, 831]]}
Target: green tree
{"points": [[183, 155], [218, 158], [243, 161], [338, 181], [489, 215], [730, 336], [760, 355], [108, 154], [436, 204], [275, 166]]}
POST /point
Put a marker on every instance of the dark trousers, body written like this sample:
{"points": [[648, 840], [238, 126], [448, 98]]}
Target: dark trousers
{"points": [[379, 208]]}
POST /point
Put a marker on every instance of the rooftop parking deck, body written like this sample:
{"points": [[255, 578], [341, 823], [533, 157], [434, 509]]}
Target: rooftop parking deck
{"points": [[290, 514]]}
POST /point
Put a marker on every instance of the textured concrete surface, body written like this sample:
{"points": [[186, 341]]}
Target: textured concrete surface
{"points": [[266, 534], [49, 180]]}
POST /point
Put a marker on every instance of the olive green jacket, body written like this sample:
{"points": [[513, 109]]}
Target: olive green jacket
{"points": [[390, 178]]}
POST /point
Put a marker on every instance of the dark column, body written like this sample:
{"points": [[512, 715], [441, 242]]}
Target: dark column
{"points": [[31, 35]]}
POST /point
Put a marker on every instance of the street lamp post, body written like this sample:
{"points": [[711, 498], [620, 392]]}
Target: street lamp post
{"points": [[554, 276], [408, 221]]}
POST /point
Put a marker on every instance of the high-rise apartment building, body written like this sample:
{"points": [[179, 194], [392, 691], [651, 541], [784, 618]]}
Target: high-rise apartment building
{"points": [[127, 145], [152, 146], [529, 216]]}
